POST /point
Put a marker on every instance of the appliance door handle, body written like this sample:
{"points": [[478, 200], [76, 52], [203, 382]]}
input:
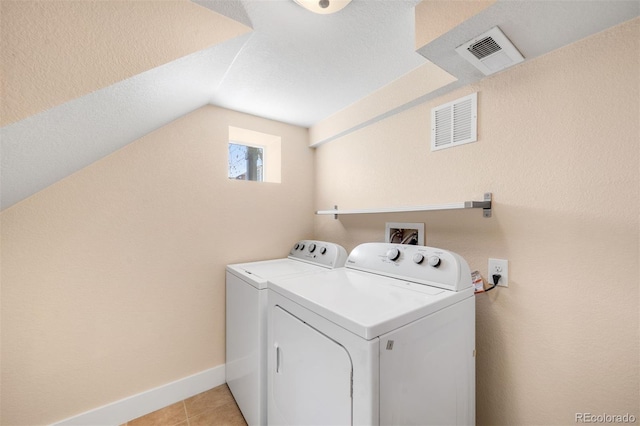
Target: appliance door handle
{"points": [[277, 358]]}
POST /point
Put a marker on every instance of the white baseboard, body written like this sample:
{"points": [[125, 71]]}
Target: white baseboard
{"points": [[126, 409]]}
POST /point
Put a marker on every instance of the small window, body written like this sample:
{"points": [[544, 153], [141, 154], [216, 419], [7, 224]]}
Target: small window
{"points": [[246, 162], [254, 156]]}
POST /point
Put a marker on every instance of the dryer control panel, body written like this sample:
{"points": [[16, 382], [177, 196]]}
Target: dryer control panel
{"points": [[322, 253], [420, 264]]}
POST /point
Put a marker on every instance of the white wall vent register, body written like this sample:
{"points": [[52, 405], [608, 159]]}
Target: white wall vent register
{"points": [[454, 123], [490, 52]]}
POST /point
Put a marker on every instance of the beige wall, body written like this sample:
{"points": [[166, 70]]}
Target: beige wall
{"points": [[55, 51], [559, 148], [113, 278]]}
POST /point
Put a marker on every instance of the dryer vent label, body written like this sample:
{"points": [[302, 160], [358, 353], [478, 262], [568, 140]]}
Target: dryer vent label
{"points": [[389, 345]]}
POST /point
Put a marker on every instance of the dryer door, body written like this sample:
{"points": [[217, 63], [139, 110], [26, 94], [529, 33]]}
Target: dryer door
{"points": [[311, 377]]}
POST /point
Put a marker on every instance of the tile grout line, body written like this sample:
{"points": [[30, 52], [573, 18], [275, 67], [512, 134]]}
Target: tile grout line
{"points": [[184, 405]]}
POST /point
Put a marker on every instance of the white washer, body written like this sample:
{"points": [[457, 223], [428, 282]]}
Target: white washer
{"points": [[387, 340], [246, 318]]}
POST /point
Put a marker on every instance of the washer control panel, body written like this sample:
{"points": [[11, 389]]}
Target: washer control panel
{"points": [[425, 265], [322, 253]]}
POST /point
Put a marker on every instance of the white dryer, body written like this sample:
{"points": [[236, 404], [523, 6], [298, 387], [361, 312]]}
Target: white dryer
{"points": [[246, 318], [387, 340]]}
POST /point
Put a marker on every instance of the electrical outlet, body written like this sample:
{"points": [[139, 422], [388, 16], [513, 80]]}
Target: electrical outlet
{"points": [[499, 267]]}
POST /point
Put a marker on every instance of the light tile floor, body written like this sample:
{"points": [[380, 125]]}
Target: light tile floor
{"points": [[215, 407]]}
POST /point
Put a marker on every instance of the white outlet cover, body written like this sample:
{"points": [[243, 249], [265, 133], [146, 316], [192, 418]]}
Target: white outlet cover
{"points": [[499, 266]]}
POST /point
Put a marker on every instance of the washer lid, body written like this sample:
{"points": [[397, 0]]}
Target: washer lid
{"points": [[366, 304], [258, 273]]}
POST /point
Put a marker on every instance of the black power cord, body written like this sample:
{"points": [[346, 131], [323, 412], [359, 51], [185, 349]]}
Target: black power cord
{"points": [[496, 279]]}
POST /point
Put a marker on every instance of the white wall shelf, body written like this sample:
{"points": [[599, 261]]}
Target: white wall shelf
{"points": [[485, 205]]}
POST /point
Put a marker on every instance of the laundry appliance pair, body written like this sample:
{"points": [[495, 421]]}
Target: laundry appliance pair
{"points": [[388, 339]]}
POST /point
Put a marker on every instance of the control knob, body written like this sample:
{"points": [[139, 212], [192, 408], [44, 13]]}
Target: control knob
{"points": [[323, 250], [434, 261], [312, 248], [393, 254], [418, 258]]}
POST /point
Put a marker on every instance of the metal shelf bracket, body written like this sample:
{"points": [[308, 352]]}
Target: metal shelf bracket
{"points": [[485, 205]]}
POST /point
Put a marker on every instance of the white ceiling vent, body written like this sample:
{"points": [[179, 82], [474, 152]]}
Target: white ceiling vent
{"points": [[454, 123], [490, 52]]}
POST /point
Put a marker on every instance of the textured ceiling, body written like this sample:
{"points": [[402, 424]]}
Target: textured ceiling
{"points": [[300, 67], [54, 51], [294, 66]]}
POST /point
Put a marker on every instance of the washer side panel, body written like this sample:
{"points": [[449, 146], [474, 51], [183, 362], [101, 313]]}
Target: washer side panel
{"points": [[427, 369]]}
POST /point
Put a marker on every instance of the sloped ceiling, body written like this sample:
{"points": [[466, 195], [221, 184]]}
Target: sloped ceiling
{"points": [[81, 79], [54, 51], [51, 145]]}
